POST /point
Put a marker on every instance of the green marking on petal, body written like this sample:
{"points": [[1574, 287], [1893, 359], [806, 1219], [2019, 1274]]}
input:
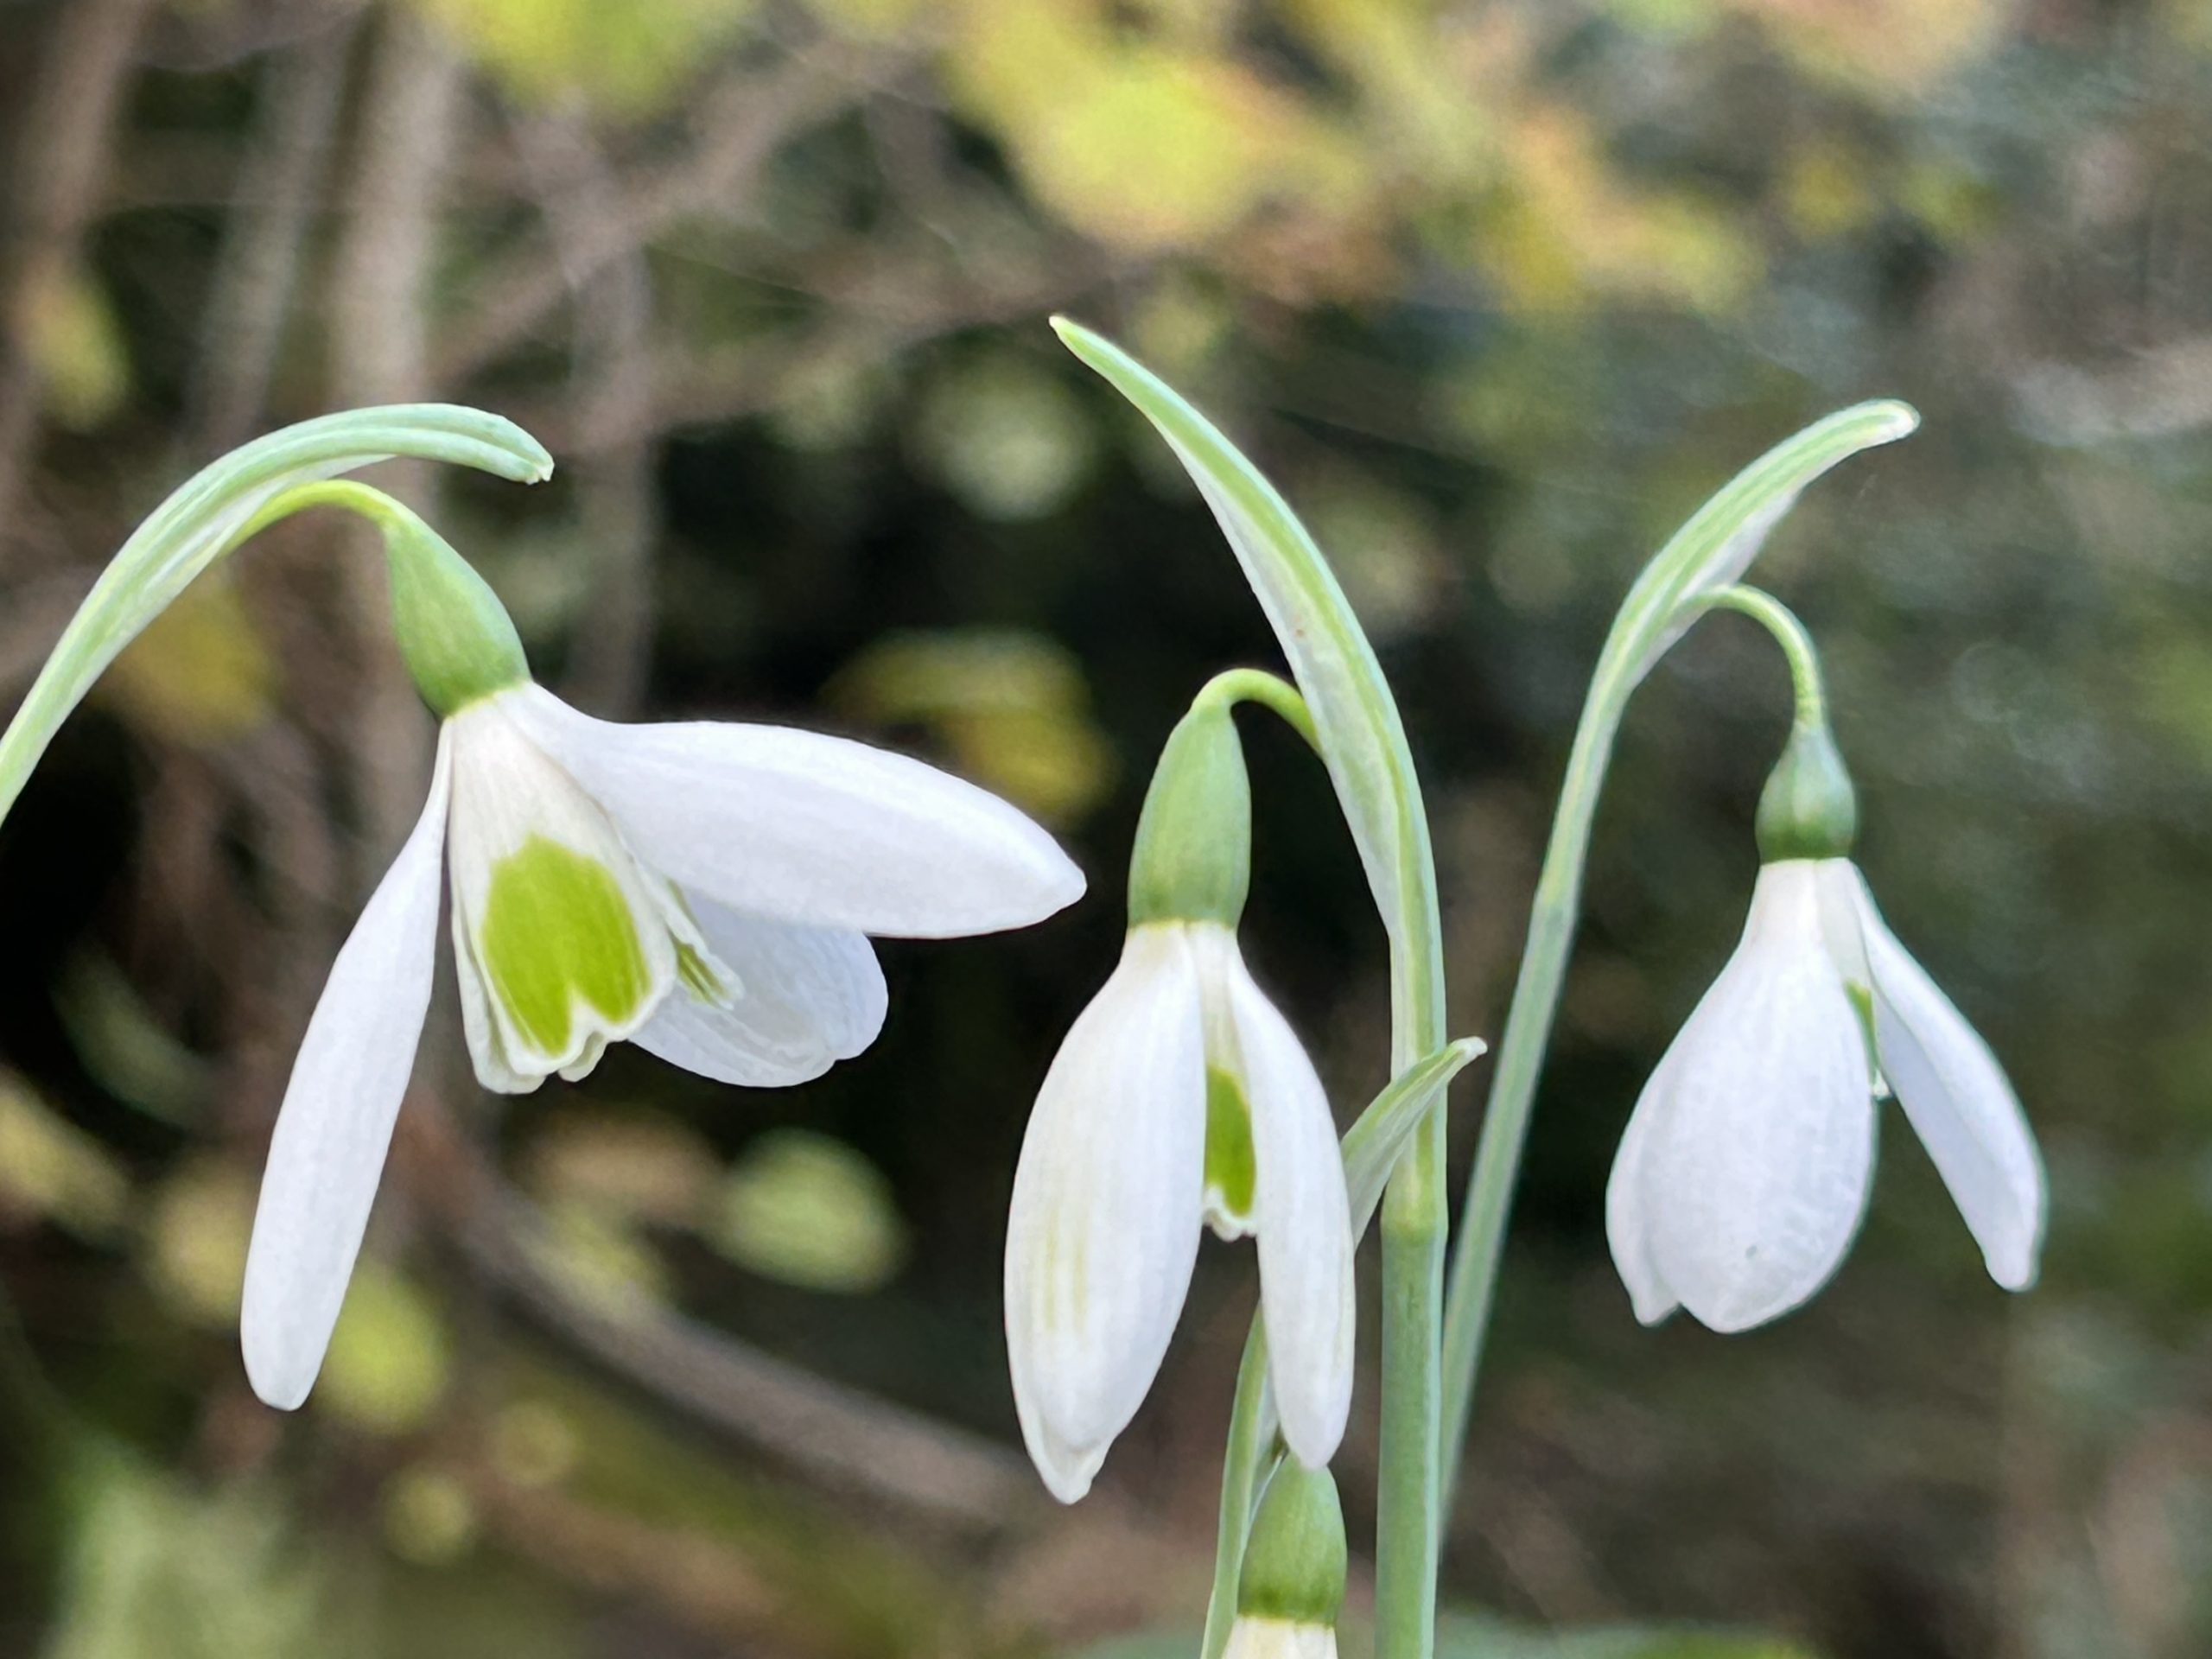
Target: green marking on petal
{"points": [[698, 974], [557, 931], [1232, 1168]]}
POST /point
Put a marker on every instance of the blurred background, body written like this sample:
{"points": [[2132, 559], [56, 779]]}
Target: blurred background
{"points": [[1498, 292]]}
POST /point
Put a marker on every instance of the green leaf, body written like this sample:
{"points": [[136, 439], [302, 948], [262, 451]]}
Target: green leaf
{"points": [[215, 510], [1714, 549], [1362, 741], [1374, 1142]]}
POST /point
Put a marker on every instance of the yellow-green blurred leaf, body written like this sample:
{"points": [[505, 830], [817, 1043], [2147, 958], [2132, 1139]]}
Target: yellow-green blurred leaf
{"points": [[123, 1046], [200, 674], [388, 1362], [1010, 440], [52, 1171], [1012, 706], [428, 1517], [630, 57], [77, 349], [812, 1212], [196, 1239], [151, 1566]]}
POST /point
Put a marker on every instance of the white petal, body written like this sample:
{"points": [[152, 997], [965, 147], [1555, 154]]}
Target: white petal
{"points": [[1759, 1154], [1254, 1637], [813, 829], [803, 998], [1628, 1201], [1104, 1228], [1959, 1102], [509, 796], [1303, 1216], [334, 1127]]}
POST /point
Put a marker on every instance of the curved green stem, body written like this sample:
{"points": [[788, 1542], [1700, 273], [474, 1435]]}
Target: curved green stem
{"points": [[1788, 632], [1235, 686], [215, 510], [1694, 571]]}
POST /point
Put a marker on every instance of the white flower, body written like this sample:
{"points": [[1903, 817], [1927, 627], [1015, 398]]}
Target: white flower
{"points": [[1746, 1165], [1115, 1180], [1255, 1637], [702, 890]]}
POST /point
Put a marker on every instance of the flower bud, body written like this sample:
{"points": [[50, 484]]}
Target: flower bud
{"points": [[1193, 856], [1808, 809], [1294, 1574]]}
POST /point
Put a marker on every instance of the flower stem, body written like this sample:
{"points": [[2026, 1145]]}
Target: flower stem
{"points": [[1236, 685], [1700, 561], [1788, 632], [1250, 1455]]}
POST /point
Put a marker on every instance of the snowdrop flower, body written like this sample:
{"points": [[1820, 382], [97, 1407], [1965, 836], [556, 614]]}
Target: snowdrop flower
{"points": [[1746, 1165], [1290, 1591], [705, 891], [1181, 1097]]}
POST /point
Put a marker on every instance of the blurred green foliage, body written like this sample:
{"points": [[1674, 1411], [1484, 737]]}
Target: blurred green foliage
{"points": [[1497, 293]]}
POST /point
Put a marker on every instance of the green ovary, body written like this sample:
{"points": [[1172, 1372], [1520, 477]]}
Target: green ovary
{"points": [[1232, 1170], [557, 931]]}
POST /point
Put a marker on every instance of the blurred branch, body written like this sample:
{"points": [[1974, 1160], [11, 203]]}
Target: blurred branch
{"points": [[271, 211], [378, 305], [837, 1435], [740, 127], [611, 378], [63, 148]]}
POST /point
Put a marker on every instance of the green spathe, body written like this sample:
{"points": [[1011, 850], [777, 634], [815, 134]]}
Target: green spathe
{"points": [[557, 932], [1808, 809], [1295, 1565], [1193, 857]]}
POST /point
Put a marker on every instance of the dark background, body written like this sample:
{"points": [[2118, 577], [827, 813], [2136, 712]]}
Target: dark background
{"points": [[1499, 293]]}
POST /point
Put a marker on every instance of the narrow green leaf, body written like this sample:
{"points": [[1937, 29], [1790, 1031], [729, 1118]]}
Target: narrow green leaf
{"points": [[216, 509], [1375, 1140], [1721, 539], [1362, 741]]}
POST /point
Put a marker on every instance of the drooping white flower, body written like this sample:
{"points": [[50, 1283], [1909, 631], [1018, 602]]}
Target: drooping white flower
{"points": [[1746, 1167], [1180, 1098], [705, 891]]}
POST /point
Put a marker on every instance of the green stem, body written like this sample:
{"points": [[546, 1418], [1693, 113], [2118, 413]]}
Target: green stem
{"points": [[1788, 632], [1702, 561], [1251, 1453], [1415, 1223], [1236, 685]]}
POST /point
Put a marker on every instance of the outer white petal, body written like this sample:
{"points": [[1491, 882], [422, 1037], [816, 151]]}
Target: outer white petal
{"points": [[1756, 1170], [1303, 1216], [803, 998], [334, 1127], [1104, 1228], [1629, 1200], [1958, 1100], [813, 829]]}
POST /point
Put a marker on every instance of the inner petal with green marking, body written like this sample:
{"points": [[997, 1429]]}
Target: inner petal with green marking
{"points": [[1232, 1169], [557, 937]]}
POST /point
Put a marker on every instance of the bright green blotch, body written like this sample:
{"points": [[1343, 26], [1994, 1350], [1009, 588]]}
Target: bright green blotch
{"points": [[1232, 1168], [557, 931]]}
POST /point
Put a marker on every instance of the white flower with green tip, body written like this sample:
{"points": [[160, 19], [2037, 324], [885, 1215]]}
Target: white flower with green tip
{"points": [[1181, 1099], [1746, 1165], [706, 891]]}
